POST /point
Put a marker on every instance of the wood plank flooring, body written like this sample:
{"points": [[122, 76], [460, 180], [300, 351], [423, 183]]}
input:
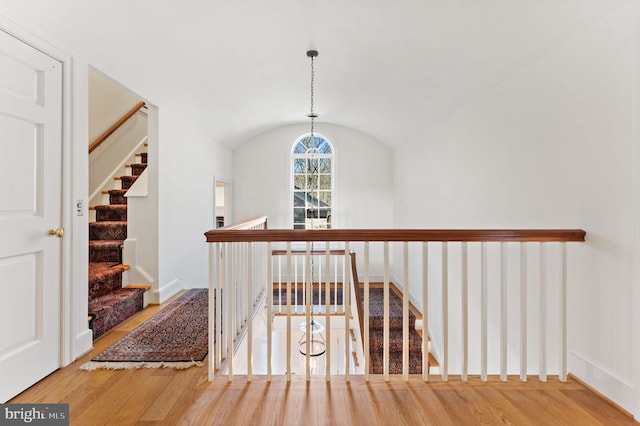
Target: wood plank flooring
{"points": [[185, 397]]}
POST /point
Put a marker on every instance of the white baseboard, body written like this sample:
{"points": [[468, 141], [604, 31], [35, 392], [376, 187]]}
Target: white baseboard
{"points": [[166, 292], [607, 384], [83, 343]]}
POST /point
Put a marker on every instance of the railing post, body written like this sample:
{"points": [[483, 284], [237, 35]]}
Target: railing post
{"points": [[405, 313], [212, 310], [483, 312], [366, 355], [385, 332], [523, 311], [229, 285], [543, 313], [445, 311], [563, 312], [288, 311], [307, 288], [269, 281], [249, 313], [503, 312], [465, 310], [327, 302], [425, 311], [347, 312]]}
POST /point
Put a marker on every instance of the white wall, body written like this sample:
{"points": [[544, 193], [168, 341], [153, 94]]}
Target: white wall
{"points": [[363, 196], [108, 101], [188, 161], [362, 188], [551, 147]]}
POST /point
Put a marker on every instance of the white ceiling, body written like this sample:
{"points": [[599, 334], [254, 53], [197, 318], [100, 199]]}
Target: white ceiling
{"points": [[389, 68]]}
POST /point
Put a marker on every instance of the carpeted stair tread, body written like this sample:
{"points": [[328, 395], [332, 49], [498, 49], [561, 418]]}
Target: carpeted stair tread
{"points": [[137, 168], [376, 334], [108, 230], [111, 213], [117, 196], [103, 278], [376, 310], [395, 362], [281, 297], [113, 308], [127, 181], [105, 251], [376, 341]]}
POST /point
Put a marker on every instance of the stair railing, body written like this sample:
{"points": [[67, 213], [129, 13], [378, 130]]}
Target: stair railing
{"points": [[484, 253], [103, 137]]}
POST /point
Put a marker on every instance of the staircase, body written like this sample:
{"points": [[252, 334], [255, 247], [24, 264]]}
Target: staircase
{"points": [[110, 303], [376, 336]]}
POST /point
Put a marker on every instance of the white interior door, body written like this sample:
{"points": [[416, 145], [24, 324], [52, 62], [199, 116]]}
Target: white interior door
{"points": [[30, 206]]}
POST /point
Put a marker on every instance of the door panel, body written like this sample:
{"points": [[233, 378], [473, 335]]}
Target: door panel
{"points": [[30, 205]]}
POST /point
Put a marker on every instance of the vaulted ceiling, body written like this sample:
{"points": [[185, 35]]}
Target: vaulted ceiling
{"points": [[389, 68]]}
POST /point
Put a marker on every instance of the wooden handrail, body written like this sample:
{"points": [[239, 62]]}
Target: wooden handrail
{"points": [[115, 127], [471, 235]]}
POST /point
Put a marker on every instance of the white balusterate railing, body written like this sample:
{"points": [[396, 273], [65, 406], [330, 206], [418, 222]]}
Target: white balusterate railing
{"points": [[492, 302]]}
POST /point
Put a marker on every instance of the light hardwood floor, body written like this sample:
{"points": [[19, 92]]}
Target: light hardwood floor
{"points": [[172, 397]]}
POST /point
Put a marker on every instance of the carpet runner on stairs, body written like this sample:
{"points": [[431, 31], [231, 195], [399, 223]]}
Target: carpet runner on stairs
{"points": [[110, 303], [376, 337]]}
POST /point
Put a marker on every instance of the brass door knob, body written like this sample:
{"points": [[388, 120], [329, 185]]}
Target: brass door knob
{"points": [[58, 232]]}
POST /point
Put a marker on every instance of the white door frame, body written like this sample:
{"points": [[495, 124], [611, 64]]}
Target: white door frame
{"points": [[227, 200], [75, 335]]}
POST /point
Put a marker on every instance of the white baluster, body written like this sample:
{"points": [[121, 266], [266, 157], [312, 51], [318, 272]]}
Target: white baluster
{"points": [[249, 300], [425, 311], [503, 312], [347, 312], [483, 312], [563, 312], [543, 312], [405, 314], [269, 282], [231, 319], [366, 312], [523, 312], [212, 319], [445, 311], [307, 292], [385, 332], [327, 302], [288, 311], [465, 310]]}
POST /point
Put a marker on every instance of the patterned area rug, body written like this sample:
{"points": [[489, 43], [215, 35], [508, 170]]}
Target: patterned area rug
{"points": [[175, 337]]}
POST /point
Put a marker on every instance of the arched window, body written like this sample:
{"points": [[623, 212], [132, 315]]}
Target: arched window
{"points": [[312, 182]]}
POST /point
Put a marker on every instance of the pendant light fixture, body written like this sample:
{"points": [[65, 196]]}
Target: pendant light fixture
{"points": [[313, 335]]}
